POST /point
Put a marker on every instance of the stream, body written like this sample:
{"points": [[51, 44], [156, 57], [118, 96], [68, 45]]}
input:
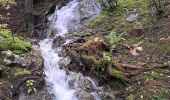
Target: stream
{"points": [[62, 21]]}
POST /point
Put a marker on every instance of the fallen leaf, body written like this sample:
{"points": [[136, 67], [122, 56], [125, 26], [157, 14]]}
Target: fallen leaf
{"points": [[164, 39], [135, 48], [134, 51]]}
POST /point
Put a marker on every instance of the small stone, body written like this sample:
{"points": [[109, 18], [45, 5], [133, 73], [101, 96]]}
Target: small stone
{"points": [[7, 61], [132, 17], [64, 61]]}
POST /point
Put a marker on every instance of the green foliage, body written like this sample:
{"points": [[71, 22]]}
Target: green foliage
{"points": [[5, 33], [113, 39], [5, 3], [15, 44], [106, 61], [20, 71], [31, 87]]}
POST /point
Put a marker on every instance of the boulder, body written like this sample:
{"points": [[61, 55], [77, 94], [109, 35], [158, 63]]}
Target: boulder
{"points": [[83, 87], [32, 58], [41, 95]]}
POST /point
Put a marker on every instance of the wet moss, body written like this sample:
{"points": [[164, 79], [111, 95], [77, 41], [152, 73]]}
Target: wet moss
{"points": [[19, 71]]}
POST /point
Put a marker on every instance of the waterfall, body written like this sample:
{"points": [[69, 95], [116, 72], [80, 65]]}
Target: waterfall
{"points": [[64, 19]]}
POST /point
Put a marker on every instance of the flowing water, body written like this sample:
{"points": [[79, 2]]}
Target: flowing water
{"points": [[62, 21]]}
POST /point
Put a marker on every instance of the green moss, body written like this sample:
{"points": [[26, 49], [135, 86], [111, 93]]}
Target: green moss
{"points": [[99, 19], [20, 71], [90, 60], [117, 74], [114, 39]]}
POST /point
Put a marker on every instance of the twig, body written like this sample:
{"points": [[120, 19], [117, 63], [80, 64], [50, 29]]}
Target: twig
{"points": [[157, 84], [3, 82]]}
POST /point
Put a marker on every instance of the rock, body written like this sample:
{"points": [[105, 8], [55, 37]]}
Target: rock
{"points": [[109, 95], [32, 58], [132, 17], [83, 87], [82, 95], [7, 61], [58, 41], [7, 53], [64, 61], [41, 95], [79, 82]]}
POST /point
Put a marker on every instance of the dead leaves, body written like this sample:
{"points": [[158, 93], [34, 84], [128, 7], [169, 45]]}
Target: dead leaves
{"points": [[164, 39], [134, 49]]}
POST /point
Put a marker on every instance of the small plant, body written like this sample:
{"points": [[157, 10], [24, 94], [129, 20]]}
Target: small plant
{"points": [[113, 39], [30, 85]]}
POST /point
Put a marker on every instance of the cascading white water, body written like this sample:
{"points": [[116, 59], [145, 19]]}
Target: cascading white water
{"points": [[56, 79]]}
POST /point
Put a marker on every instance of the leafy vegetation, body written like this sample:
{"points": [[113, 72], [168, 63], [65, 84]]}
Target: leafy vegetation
{"points": [[114, 39], [30, 85], [15, 44], [19, 71]]}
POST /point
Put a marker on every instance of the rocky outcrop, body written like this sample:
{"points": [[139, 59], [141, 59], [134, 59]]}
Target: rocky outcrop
{"points": [[41, 95], [30, 59], [83, 86]]}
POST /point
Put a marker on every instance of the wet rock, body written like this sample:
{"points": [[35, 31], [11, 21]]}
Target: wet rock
{"points": [[82, 85], [32, 58], [42, 95], [82, 95], [80, 82], [109, 95], [58, 41], [64, 61]]}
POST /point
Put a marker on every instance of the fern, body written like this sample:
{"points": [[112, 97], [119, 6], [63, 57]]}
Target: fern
{"points": [[113, 39]]}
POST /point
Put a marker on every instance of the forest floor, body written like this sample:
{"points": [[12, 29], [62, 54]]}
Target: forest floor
{"points": [[148, 70]]}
